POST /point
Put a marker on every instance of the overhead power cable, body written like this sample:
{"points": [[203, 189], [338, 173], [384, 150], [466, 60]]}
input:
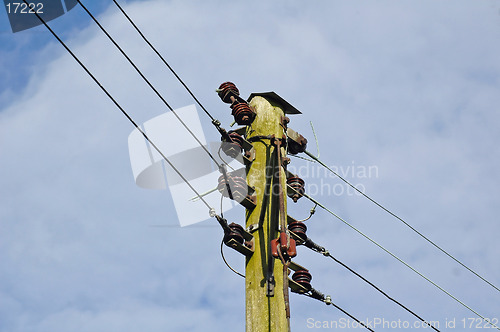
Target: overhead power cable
{"points": [[158, 94], [313, 246], [397, 258], [225, 261], [401, 219], [381, 291], [314, 294], [212, 210], [215, 121]]}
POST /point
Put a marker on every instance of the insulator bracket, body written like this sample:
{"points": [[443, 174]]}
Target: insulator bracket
{"points": [[237, 145], [285, 120], [239, 240], [299, 286], [296, 142]]}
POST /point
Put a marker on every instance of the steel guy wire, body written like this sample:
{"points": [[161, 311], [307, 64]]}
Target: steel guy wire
{"points": [[400, 219], [212, 210], [158, 94], [397, 258]]}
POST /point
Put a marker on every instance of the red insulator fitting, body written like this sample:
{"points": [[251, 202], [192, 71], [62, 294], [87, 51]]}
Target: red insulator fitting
{"points": [[299, 229], [236, 233], [303, 278], [237, 185], [226, 90], [285, 245], [243, 114], [299, 185], [234, 147]]}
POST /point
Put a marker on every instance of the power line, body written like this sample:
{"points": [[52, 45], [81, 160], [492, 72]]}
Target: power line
{"points": [[164, 61], [212, 210], [158, 94], [320, 297], [225, 261], [397, 258], [381, 291], [400, 219], [326, 253]]}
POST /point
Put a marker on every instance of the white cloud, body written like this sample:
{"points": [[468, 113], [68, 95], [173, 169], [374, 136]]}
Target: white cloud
{"points": [[410, 88]]}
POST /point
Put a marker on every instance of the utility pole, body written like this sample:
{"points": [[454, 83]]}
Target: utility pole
{"points": [[266, 241], [266, 296]]}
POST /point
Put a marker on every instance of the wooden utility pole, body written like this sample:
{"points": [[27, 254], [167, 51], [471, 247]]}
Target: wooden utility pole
{"points": [[265, 292]]}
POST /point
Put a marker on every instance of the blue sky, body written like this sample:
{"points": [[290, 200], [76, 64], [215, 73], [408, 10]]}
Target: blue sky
{"points": [[408, 87]]}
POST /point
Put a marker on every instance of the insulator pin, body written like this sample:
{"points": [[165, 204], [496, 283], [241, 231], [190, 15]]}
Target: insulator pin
{"points": [[303, 278], [226, 91], [298, 185]]}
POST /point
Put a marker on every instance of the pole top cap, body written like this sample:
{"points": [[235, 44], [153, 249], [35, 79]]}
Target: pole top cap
{"points": [[273, 96]]}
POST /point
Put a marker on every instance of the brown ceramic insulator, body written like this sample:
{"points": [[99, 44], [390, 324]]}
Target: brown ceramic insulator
{"points": [[300, 229], [226, 90], [303, 278], [236, 233], [234, 147], [243, 114], [299, 185]]}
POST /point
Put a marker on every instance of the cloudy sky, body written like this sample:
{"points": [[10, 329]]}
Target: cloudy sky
{"points": [[408, 89]]}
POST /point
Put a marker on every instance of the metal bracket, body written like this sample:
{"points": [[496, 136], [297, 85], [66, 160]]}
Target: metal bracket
{"points": [[296, 267], [296, 142], [247, 248], [284, 121], [297, 238], [270, 287], [248, 149], [250, 201], [296, 287], [253, 227], [289, 219]]}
